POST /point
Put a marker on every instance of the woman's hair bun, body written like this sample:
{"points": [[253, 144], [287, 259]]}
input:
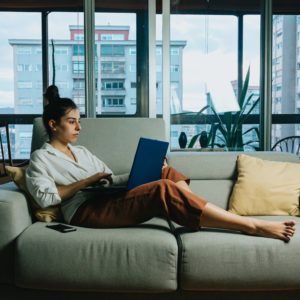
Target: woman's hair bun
{"points": [[52, 94]]}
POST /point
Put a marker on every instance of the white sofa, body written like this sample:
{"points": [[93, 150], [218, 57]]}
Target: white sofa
{"points": [[153, 260]]}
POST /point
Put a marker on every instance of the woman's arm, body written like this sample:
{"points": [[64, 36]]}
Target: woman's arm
{"points": [[67, 191]]}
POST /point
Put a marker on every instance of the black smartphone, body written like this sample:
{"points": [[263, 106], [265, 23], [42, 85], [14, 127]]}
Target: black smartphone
{"points": [[61, 228]]}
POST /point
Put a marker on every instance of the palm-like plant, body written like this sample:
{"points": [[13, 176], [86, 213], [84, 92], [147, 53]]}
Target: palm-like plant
{"points": [[229, 128]]}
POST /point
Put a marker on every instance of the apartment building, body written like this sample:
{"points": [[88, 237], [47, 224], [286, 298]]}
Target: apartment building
{"points": [[115, 65], [286, 72]]}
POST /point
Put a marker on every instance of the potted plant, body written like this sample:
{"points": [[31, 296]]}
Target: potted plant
{"points": [[227, 132]]}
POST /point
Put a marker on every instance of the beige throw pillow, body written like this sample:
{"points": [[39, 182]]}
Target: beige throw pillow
{"points": [[49, 214], [265, 187]]}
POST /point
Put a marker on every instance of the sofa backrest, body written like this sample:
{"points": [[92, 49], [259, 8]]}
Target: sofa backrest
{"points": [[113, 140], [213, 174]]}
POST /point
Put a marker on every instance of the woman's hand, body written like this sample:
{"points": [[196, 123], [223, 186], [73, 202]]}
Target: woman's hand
{"points": [[68, 191], [98, 178], [165, 164]]}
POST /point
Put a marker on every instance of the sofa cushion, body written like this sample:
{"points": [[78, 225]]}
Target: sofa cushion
{"points": [[225, 260], [218, 165], [141, 258], [265, 187]]}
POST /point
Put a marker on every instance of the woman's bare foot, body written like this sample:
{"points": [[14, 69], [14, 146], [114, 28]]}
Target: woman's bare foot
{"points": [[277, 230]]}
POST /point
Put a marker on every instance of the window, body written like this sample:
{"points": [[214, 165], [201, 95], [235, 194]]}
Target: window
{"points": [[174, 68], [132, 51], [174, 51], [109, 102], [117, 51], [112, 50], [113, 85], [38, 50], [23, 50], [66, 30], [132, 101], [286, 82], [112, 37], [61, 68], [78, 50], [38, 68], [61, 50], [79, 84], [113, 67], [279, 46], [158, 50], [188, 49], [78, 67], [24, 68], [25, 84], [78, 36], [133, 85]]}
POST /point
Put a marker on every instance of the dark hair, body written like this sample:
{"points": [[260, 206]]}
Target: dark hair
{"points": [[52, 93], [55, 110]]}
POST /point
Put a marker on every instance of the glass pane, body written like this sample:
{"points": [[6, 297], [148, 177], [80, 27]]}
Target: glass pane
{"points": [[66, 50], [20, 141], [286, 143], [20, 61], [285, 73], [203, 67], [115, 43], [251, 56]]}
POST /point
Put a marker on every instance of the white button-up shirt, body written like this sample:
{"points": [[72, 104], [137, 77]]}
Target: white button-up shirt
{"points": [[49, 167]]}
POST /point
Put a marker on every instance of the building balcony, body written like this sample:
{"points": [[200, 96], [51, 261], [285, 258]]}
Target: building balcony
{"points": [[113, 58], [113, 92], [113, 75], [78, 75], [113, 109]]}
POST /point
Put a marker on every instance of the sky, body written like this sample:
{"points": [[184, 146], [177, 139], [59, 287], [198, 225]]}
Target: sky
{"points": [[209, 58]]}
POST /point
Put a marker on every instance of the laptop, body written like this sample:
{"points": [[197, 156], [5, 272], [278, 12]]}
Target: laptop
{"points": [[146, 166]]}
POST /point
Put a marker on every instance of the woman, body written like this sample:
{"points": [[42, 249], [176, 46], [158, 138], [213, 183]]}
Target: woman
{"points": [[58, 171]]}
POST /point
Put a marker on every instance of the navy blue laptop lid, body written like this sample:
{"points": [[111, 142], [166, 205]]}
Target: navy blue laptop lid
{"points": [[146, 167], [148, 162]]}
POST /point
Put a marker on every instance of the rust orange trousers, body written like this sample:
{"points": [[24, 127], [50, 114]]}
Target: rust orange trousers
{"points": [[161, 198]]}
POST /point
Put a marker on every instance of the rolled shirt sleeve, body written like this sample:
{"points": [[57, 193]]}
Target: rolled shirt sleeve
{"points": [[40, 184]]}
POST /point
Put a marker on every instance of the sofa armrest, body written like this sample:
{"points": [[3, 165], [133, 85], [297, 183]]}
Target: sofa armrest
{"points": [[14, 219]]}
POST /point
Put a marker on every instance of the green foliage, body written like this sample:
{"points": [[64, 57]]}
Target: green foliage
{"points": [[229, 128]]}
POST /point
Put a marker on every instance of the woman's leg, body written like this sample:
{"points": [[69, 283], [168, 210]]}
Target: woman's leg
{"points": [[172, 174], [213, 216], [166, 198], [160, 198]]}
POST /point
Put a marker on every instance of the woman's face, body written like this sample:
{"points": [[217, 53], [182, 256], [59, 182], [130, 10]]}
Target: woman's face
{"points": [[68, 129]]}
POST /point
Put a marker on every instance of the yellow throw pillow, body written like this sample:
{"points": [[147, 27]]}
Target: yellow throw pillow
{"points": [[49, 214], [265, 187]]}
